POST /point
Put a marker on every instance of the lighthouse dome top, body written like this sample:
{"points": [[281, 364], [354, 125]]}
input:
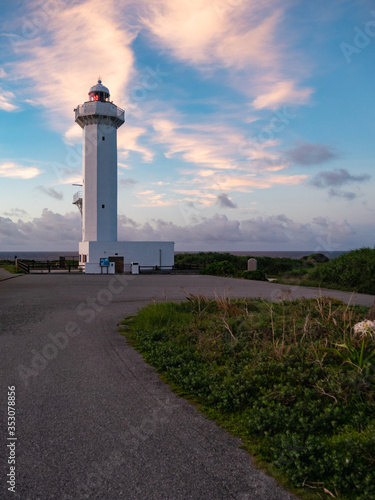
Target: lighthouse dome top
{"points": [[99, 92]]}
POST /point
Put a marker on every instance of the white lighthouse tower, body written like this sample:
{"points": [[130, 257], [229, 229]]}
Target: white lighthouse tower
{"points": [[99, 249], [99, 119]]}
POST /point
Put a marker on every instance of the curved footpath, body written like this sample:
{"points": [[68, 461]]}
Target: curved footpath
{"points": [[93, 420]]}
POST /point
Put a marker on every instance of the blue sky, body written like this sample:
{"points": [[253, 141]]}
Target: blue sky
{"points": [[249, 125]]}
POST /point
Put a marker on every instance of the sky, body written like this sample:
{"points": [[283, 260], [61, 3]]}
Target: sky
{"points": [[249, 125]]}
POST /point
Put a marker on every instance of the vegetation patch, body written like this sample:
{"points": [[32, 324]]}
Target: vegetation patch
{"points": [[295, 380], [10, 267], [354, 270], [227, 264]]}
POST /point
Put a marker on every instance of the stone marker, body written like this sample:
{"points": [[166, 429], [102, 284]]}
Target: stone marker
{"points": [[252, 265]]}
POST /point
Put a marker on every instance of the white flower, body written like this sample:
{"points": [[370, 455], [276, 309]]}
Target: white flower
{"points": [[365, 329]]}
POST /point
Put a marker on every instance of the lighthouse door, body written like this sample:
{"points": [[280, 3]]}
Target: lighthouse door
{"points": [[119, 264]]}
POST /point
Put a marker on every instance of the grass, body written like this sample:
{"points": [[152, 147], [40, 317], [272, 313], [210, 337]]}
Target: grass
{"points": [[292, 379], [11, 268]]}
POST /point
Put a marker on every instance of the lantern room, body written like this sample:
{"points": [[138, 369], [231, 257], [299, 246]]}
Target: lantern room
{"points": [[99, 93]]}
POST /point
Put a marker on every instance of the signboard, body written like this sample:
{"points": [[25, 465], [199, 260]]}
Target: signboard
{"points": [[104, 262]]}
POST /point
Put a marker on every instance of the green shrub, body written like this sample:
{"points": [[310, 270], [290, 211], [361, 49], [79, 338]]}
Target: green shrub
{"points": [[316, 257], [354, 270], [221, 268], [254, 275]]}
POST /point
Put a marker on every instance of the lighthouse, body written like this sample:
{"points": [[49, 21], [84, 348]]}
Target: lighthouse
{"points": [[99, 118], [99, 250]]}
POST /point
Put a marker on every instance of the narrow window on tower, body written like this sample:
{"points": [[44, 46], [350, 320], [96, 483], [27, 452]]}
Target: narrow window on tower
{"points": [[103, 138], [103, 206]]}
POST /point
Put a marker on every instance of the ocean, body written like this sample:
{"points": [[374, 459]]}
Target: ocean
{"points": [[44, 256]]}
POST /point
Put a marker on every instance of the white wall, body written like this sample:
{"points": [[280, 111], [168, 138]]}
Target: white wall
{"points": [[99, 182], [146, 253], [99, 121]]}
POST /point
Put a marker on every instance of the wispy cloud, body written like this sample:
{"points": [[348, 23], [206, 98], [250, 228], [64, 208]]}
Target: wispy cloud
{"points": [[282, 93], [60, 64], [15, 212], [150, 198], [127, 182], [241, 182], [128, 140], [51, 192], [15, 171], [193, 143], [246, 37], [6, 101], [202, 33]]}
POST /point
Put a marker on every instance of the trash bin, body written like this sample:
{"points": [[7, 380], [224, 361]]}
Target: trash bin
{"points": [[134, 268]]}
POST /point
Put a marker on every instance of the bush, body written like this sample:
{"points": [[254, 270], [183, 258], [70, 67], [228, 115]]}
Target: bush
{"points": [[254, 275], [354, 270], [222, 268], [316, 257]]}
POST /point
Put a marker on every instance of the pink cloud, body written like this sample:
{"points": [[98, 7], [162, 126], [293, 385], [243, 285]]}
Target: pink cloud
{"points": [[284, 92], [68, 53]]}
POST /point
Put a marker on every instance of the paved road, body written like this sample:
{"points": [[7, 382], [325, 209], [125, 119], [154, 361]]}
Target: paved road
{"points": [[92, 419]]}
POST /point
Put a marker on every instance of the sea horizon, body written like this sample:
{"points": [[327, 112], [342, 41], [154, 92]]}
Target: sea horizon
{"points": [[55, 255]]}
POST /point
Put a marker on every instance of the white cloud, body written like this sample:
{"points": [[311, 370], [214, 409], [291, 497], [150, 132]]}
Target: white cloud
{"points": [[151, 199], [68, 53], [14, 171], [247, 38], [6, 99], [196, 31], [210, 146], [73, 134], [232, 181], [128, 140], [282, 93]]}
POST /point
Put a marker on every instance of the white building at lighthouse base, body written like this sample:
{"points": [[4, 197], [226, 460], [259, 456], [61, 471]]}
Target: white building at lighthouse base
{"points": [[121, 255]]}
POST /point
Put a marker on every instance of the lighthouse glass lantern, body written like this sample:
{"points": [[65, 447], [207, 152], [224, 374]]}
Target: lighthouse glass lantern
{"points": [[99, 93]]}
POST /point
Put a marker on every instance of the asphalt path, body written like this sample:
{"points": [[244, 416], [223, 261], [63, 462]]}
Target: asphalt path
{"points": [[93, 420]]}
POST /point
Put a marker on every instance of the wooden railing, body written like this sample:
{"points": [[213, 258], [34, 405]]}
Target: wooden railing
{"points": [[47, 266]]}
